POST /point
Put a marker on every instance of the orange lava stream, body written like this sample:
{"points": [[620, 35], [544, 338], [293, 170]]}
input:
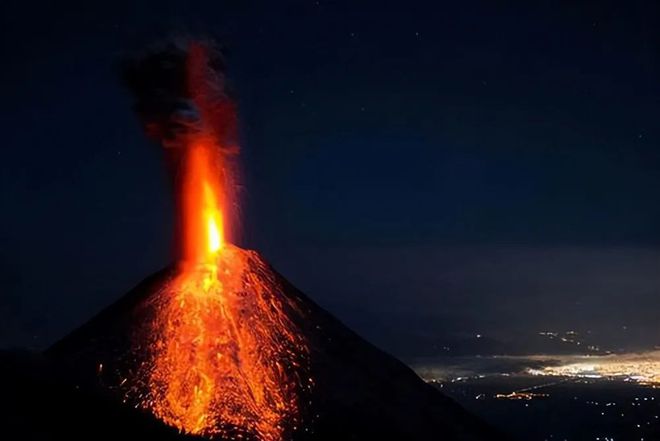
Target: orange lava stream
{"points": [[223, 363]]}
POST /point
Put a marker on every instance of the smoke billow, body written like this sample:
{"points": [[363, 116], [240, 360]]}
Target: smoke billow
{"points": [[180, 91]]}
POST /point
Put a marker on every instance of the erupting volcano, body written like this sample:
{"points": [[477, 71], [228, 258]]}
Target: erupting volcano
{"points": [[222, 355], [219, 344]]}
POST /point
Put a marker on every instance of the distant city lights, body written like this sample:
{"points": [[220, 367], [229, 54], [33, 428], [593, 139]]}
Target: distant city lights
{"points": [[643, 368]]}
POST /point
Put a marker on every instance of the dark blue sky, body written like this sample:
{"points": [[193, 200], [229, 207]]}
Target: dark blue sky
{"points": [[481, 165]]}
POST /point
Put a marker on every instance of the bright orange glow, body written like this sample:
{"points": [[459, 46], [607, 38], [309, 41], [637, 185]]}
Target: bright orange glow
{"points": [[201, 220], [225, 354], [224, 357]]}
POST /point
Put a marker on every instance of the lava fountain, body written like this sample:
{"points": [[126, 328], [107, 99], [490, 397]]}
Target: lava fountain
{"points": [[222, 356]]}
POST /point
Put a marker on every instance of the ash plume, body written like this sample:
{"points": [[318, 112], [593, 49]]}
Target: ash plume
{"points": [[179, 90]]}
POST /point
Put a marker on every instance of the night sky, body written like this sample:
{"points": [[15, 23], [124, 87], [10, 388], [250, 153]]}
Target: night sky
{"points": [[415, 167]]}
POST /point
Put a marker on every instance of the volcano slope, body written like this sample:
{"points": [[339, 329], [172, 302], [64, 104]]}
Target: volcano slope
{"points": [[346, 389]]}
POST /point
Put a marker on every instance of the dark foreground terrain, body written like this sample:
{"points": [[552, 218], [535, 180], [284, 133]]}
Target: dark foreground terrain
{"points": [[43, 401]]}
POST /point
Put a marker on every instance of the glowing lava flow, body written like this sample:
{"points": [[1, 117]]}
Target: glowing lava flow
{"points": [[226, 354], [224, 357]]}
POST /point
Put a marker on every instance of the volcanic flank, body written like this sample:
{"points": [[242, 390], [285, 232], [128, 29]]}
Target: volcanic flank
{"points": [[219, 344]]}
